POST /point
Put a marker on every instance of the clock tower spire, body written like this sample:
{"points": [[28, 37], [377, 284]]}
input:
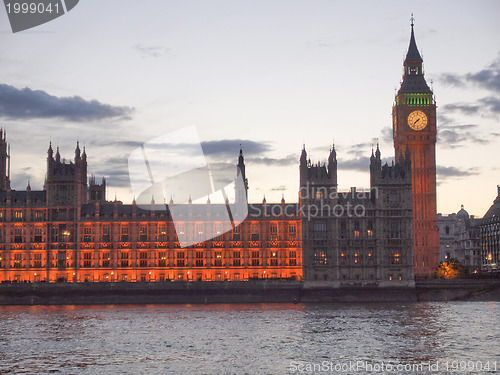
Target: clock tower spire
{"points": [[414, 130]]}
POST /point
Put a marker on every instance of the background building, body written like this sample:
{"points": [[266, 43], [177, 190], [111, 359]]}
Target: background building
{"points": [[460, 239], [357, 237], [490, 236]]}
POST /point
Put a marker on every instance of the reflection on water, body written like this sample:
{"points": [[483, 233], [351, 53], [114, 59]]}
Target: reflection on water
{"points": [[239, 339]]}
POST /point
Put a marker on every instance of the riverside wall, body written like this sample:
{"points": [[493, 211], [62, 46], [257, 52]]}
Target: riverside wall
{"points": [[257, 291]]}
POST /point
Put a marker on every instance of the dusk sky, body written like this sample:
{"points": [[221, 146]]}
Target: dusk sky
{"points": [[270, 75]]}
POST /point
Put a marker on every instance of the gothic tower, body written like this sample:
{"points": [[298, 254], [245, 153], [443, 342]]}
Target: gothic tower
{"points": [[317, 196], [4, 162], [414, 127], [241, 194], [66, 184]]}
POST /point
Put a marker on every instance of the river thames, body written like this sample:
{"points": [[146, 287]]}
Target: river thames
{"points": [[410, 338]]}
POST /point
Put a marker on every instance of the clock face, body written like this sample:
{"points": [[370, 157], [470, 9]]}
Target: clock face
{"points": [[417, 120]]}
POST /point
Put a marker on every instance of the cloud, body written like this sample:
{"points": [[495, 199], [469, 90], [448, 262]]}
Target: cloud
{"points": [[152, 51], [37, 104], [276, 162], [111, 143], [454, 136], [465, 108], [231, 147], [452, 79], [450, 172], [114, 169], [492, 104], [488, 78], [356, 164], [387, 135]]}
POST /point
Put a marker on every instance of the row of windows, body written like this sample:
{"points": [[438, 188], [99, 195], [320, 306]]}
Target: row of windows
{"points": [[145, 234], [218, 256], [320, 258]]}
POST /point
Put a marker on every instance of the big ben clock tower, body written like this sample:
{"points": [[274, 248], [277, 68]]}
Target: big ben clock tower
{"points": [[414, 129]]}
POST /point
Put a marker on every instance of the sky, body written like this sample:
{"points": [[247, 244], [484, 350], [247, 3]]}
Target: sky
{"points": [[269, 75]]}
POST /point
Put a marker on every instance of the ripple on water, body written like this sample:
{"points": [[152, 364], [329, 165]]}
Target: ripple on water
{"points": [[239, 339]]}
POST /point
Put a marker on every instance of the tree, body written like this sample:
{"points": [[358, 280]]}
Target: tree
{"points": [[451, 269]]}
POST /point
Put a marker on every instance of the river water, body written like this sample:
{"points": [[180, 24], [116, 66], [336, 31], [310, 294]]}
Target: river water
{"points": [[400, 338]]}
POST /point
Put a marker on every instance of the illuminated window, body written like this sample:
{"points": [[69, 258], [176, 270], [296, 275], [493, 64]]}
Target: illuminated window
{"points": [[369, 231], [106, 259], [343, 258], [18, 258], [356, 258], [320, 258], [370, 257], [319, 194], [273, 258], [181, 233], [162, 234], [395, 258], [162, 259], [218, 258]]}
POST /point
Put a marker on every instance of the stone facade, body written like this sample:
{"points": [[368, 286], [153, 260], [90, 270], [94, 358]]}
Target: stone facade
{"points": [[459, 239], [357, 237], [490, 237]]}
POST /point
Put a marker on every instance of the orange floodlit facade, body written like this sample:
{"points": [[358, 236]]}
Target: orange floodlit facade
{"points": [[69, 232]]}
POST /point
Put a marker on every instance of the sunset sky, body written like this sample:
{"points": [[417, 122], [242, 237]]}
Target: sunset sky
{"points": [[270, 75]]}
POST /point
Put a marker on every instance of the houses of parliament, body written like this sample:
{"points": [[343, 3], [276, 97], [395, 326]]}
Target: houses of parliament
{"points": [[386, 235]]}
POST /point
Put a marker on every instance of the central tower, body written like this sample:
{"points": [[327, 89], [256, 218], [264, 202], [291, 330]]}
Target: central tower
{"points": [[414, 126]]}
